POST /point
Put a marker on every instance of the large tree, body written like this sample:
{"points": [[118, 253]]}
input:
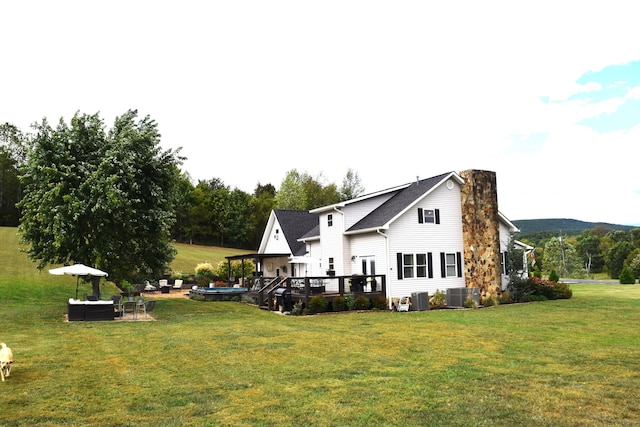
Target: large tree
{"points": [[301, 191], [101, 199], [11, 159], [351, 186]]}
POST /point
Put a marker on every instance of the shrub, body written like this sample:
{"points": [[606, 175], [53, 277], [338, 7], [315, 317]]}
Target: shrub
{"points": [[470, 303], [490, 301], [533, 288], [350, 301], [317, 304], [339, 304], [626, 276], [505, 298], [439, 299], [380, 303], [297, 309], [562, 291], [204, 273], [554, 276], [362, 303]]}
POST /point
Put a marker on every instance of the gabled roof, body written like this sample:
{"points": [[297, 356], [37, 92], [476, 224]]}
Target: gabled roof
{"points": [[400, 202], [296, 224]]}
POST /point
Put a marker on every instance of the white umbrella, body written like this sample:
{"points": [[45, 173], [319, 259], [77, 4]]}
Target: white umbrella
{"points": [[77, 270]]}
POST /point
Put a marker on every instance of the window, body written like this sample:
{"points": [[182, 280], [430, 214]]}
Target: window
{"points": [[421, 265], [331, 266], [330, 220], [428, 216], [407, 266], [414, 265], [451, 264]]}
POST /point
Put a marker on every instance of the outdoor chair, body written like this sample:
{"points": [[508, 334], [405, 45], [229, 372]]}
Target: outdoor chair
{"points": [[177, 284], [117, 303], [130, 307], [148, 306]]}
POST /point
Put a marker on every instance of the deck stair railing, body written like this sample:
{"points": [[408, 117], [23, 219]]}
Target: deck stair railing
{"points": [[265, 294]]}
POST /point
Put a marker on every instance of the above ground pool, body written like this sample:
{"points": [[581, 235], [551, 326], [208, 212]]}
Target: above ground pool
{"points": [[217, 293]]}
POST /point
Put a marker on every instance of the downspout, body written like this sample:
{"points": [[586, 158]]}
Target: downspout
{"points": [[386, 254], [342, 245]]}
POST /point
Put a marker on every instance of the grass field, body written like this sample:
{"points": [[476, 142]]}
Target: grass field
{"points": [[557, 363]]}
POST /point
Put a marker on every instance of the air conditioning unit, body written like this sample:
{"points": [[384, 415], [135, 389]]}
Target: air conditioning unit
{"points": [[420, 301], [457, 296]]}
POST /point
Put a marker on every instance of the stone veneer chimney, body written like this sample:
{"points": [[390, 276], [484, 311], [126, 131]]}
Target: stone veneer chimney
{"points": [[481, 231]]}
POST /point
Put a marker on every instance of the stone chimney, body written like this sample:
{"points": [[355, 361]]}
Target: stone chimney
{"points": [[481, 231]]}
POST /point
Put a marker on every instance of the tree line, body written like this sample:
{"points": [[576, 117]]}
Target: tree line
{"points": [[112, 198], [597, 250]]}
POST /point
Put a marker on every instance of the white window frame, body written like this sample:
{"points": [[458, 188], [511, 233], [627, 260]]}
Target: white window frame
{"points": [[451, 267]]}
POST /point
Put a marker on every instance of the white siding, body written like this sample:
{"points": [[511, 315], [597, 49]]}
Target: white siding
{"points": [[370, 245], [276, 243], [332, 243], [354, 212], [408, 236]]}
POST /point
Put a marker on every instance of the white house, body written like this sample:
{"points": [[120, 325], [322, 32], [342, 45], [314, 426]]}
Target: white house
{"points": [[432, 234]]}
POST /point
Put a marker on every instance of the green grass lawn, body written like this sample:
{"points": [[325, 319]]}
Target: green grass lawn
{"points": [[565, 362]]}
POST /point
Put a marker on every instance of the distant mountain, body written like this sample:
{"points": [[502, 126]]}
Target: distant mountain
{"points": [[562, 225]]}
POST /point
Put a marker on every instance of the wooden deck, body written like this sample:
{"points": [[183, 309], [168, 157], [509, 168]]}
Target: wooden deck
{"points": [[302, 289]]}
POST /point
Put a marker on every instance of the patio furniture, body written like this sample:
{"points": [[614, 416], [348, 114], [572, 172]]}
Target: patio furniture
{"points": [[148, 287], [177, 284], [164, 286], [130, 307], [90, 310], [117, 303], [147, 306]]}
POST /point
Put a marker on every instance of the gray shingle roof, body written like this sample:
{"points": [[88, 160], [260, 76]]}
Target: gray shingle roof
{"points": [[396, 204], [296, 224]]}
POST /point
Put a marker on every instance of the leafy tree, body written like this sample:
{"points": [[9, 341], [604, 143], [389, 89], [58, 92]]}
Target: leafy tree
{"points": [[561, 256], [635, 237], [239, 230], [351, 186], [300, 191], [616, 257], [588, 248], [263, 204], [11, 159], [182, 231], [633, 260], [105, 200]]}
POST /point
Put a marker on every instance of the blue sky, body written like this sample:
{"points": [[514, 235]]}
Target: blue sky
{"points": [[547, 94]]}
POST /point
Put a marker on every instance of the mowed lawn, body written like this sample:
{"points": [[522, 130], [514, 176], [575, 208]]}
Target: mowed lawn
{"points": [[566, 362]]}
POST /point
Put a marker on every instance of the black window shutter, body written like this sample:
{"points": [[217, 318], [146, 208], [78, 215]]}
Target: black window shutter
{"points": [[459, 261], [443, 265], [504, 261], [437, 216], [399, 258], [430, 264], [420, 216]]}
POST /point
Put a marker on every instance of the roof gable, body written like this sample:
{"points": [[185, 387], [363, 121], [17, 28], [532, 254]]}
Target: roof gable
{"points": [[400, 202], [296, 224]]}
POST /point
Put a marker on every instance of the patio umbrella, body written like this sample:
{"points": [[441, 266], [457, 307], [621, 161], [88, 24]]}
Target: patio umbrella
{"points": [[77, 270]]}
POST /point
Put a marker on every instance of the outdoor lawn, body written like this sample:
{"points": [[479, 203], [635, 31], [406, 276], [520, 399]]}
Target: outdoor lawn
{"points": [[564, 362]]}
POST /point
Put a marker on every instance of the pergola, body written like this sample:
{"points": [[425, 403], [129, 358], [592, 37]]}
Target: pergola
{"points": [[256, 257]]}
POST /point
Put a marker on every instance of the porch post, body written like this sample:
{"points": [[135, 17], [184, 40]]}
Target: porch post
{"points": [[307, 291]]}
